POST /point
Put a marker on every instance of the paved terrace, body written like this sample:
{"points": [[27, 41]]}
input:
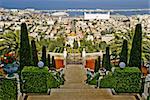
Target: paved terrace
{"points": [[75, 88]]}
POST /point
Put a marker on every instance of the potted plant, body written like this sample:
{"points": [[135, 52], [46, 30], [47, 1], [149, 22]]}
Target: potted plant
{"points": [[10, 64]]}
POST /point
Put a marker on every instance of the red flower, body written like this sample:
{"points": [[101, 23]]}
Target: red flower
{"points": [[6, 55], [10, 61], [6, 61]]}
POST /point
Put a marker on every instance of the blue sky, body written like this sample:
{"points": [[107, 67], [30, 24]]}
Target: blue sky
{"points": [[65, 4]]}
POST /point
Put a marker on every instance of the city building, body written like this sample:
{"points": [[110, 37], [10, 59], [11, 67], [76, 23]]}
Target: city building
{"points": [[92, 16]]}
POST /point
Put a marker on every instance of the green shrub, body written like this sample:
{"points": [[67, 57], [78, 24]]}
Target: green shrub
{"points": [[34, 53], [97, 64], [127, 80], [44, 55], [136, 50], [124, 52], [8, 89], [108, 81], [93, 81], [25, 52], [54, 81], [107, 58], [38, 80]]}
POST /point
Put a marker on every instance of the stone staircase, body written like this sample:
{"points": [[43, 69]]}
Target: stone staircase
{"points": [[76, 89]]}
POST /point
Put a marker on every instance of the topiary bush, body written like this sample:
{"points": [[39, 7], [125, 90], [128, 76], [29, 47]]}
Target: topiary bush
{"points": [[8, 89], [107, 59], [55, 81], [136, 50], [93, 81], [38, 80], [35, 79], [97, 64], [127, 80], [25, 52], [44, 55], [34, 53], [108, 81], [124, 52]]}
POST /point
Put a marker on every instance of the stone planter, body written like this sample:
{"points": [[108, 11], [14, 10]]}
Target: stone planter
{"points": [[10, 69]]}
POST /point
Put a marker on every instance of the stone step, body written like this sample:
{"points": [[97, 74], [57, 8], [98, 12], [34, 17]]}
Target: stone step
{"points": [[92, 91], [76, 86], [71, 97]]}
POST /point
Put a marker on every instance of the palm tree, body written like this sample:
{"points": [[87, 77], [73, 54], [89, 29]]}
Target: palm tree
{"points": [[117, 42], [50, 43], [9, 42]]}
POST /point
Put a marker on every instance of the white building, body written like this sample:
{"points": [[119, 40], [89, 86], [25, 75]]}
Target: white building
{"points": [[90, 16], [58, 14]]}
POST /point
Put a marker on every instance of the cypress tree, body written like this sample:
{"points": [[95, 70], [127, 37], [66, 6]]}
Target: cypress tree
{"points": [[136, 50], [107, 62], [75, 43], [104, 60], [49, 61], [124, 52], [53, 62], [97, 64], [34, 53], [44, 54], [25, 52]]}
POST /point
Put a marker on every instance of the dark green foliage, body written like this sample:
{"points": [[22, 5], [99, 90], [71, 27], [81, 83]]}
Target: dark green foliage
{"points": [[104, 60], [55, 81], [135, 54], [25, 52], [102, 45], [97, 64], [53, 62], [94, 80], [44, 55], [124, 52], [75, 45], [49, 61], [108, 81], [127, 80], [107, 62], [8, 89], [58, 50], [89, 46], [37, 80], [34, 53]]}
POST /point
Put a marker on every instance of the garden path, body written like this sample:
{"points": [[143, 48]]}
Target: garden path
{"points": [[75, 88]]}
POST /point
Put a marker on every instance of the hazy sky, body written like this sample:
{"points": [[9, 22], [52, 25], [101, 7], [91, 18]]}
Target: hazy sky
{"points": [[65, 4]]}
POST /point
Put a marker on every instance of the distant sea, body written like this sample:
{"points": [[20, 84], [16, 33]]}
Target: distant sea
{"points": [[78, 4]]}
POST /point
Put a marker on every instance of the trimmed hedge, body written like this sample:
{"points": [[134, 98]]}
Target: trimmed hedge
{"points": [[8, 89], [127, 80], [38, 80], [108, 81]]}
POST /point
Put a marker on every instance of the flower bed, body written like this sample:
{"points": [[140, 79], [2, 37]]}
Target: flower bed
{"points": [[8, 64]]}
